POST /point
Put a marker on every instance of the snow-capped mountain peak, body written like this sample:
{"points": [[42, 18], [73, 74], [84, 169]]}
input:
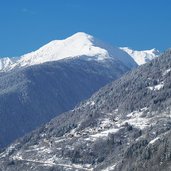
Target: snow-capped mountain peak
{"points": [[79, 44], [141, 57]]}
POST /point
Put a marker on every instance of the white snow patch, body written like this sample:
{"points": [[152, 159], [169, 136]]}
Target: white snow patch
{"points": [[106, 123], [104, 133], [110, 168], [135, 118], [92, 103], [17, 156], [157, 87], [166, 72], [154, 140]]}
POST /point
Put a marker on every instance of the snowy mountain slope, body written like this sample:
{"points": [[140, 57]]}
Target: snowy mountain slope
{"points": [[124, 126], [141, 57], [79, 44]]}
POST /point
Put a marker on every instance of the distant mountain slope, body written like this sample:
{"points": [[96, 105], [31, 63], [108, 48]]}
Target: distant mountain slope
{"points": [[141, 57], [124, 126], [34, 95], [79, 44]]}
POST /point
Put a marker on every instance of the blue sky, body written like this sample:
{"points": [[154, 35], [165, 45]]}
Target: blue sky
{"points": [[25, 25]]}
